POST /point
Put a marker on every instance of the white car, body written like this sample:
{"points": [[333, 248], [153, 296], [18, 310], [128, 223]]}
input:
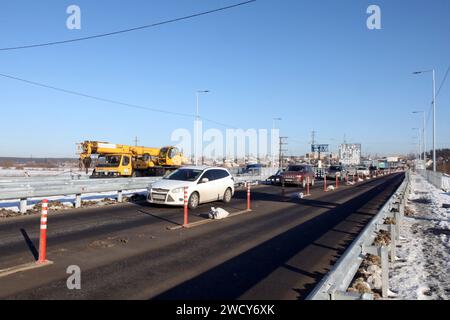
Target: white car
{"points": [[204, 184], [362, 171]]}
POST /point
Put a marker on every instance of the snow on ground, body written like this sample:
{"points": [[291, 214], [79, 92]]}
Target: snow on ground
{"points": [[422, 271]]}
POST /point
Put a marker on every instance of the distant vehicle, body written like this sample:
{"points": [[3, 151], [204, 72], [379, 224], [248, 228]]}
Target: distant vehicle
{"points": [[253, 169], [276, 178], [336, 171], [372, 169], [362, 171], [298, 174], [350, 171], [204, 184]]}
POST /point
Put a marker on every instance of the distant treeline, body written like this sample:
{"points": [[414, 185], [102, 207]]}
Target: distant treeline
{"points": [[16, 162], [36, 160]]}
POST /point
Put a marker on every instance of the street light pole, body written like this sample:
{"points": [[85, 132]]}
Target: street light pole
{"points": [[434, 120], [197, 119], [424, 139], [434, 113], [419, 142], [273, 131]]}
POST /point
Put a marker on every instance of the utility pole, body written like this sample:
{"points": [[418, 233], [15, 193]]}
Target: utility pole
{"points": [[136, 140], [433, 71], [313, 142], [280, 154]]}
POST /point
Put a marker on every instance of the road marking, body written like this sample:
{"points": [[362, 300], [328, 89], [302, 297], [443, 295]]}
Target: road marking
{"points": [[24, 267]]}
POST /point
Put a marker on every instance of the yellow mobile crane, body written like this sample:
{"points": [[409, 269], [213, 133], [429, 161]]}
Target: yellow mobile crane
{"points": [[117, 160]]}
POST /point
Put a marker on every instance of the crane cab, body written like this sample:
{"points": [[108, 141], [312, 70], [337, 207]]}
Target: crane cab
{"points": [[113, 165]]}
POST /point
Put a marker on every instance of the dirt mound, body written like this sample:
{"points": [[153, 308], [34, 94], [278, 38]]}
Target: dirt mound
{"points": [[52, 206], [383, 238], [368, 277], [409, 212], [389, 220], [8, 213]]}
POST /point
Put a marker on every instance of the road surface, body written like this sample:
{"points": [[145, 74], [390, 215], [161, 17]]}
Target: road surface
{"points": [[280, 250]]}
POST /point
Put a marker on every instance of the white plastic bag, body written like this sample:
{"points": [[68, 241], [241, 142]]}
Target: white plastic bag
{"points": [[218, 213]]}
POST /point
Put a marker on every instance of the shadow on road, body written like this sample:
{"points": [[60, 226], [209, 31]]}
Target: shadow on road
{"points": [[233, 278], [30, 244]]}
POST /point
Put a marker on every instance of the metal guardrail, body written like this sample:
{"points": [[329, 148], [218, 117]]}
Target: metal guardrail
{"points": [[335, 284], [25, 188], [437, 179]]}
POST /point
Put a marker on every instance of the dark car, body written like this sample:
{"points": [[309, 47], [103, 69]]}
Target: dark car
{"points": [[298, 174], [373, 170], [336, 171], [253, 169], [276, 178]]}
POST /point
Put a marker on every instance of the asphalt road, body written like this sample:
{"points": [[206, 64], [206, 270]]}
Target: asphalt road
{"points": [[278, 251]]}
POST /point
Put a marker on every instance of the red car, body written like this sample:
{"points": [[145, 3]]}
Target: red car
{"points": [[298, 174]]}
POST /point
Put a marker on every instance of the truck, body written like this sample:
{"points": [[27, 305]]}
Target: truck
{"points": [[117, 160]]}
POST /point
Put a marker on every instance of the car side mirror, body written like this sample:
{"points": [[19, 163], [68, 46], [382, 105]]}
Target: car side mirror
{"points": [[205, 180]]}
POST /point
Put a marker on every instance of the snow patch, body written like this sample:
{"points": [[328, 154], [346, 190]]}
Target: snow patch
{"points": [[423, 269]]}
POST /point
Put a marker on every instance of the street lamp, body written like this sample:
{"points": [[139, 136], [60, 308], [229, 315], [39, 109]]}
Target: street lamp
{"points": [[434, 113], [273, 131], [197, 119], [424, 140], [418, 130]]}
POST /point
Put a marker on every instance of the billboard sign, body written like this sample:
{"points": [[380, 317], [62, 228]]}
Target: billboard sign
{"points": [[350, 153], [319, 148]]}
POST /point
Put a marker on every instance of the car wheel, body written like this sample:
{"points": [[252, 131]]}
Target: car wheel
{"points": [[194, 200], [227, 196]]}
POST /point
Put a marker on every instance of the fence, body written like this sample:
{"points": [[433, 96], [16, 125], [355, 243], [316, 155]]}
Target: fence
{"points": [[23, 189], [437, 179], [335, 284]]}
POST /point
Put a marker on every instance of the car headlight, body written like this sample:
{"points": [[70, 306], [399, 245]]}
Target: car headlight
{"points": [[177, 190], [149, 188]]}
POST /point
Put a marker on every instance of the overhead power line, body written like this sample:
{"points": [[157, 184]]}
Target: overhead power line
{"points": [[112, 101], [128, 30], [443, 81], [437, 94], [95, 97]]}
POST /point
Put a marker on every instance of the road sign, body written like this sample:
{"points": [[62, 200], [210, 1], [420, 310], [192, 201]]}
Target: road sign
{"points": [[319, 148]]}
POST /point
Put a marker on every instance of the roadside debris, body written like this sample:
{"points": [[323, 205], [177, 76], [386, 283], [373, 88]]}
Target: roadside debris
{"points": [[383, 238], [218, 213], [409, 212], [109, 242], [368, 277], [389, 220], [8, 213]]}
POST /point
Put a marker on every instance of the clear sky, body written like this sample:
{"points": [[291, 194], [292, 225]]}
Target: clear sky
{"points": [[313, 63]]}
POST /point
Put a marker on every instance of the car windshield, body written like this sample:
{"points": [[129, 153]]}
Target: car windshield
{"points": [[296, 168], [184, 175], [362, 168], [108, 161], [335, 168]]}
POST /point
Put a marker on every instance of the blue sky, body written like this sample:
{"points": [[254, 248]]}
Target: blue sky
{"points": [[313, 63]]}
